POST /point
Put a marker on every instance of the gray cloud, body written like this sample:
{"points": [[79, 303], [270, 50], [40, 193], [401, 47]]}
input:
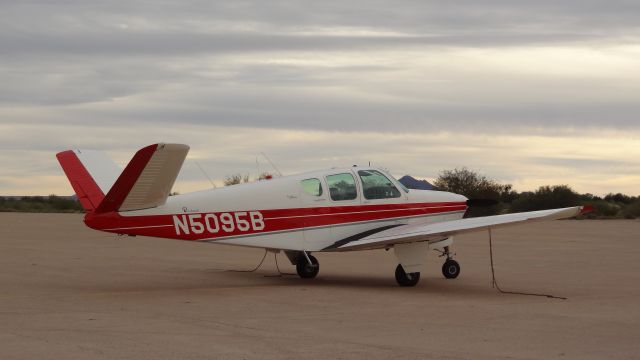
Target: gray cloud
{"points": [[466, 14], [589, 163], [197, 27], [108, 75]]}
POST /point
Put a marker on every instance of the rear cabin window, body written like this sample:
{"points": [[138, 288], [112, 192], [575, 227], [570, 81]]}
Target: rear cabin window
{"points": [[377, 186], [342, 187], [312, 187]]}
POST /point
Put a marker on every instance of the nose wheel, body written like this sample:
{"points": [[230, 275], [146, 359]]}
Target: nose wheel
{"points": [[450, 268]]}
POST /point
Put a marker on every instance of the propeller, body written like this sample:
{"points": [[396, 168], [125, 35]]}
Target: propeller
{"points": [[481, 202]]}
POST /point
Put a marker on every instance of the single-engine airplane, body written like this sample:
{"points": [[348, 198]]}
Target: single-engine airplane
{"points": [[356, 208]]}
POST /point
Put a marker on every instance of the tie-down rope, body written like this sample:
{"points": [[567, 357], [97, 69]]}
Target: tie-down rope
{"points": [[494, 283]]}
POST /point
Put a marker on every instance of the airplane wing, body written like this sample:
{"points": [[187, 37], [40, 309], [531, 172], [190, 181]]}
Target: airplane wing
{"points": [[438, 231]]}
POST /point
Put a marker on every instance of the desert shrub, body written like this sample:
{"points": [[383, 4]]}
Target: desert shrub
{"points": [[235, 179], [51, 203], [603, 209], [475, 186], [546, 197], [620, 198], [631, 211]]}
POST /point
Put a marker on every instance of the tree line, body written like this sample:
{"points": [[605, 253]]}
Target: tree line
{"points": [[44, 204], [476, 186], [461, 181]]}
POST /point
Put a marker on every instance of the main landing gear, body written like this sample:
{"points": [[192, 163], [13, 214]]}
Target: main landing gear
{"points": [[450, 268], [406, 279], [307, 266]]}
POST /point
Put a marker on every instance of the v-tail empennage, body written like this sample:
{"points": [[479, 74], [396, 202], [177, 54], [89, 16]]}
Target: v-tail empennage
{"points": [[146, 182]]}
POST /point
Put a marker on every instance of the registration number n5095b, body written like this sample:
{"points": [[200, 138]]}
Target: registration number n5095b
{"points": [[213, 223]]}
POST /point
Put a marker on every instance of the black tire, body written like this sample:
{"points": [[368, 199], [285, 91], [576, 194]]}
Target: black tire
{"points": [[451, 269], [305, 270], [405, 279]]}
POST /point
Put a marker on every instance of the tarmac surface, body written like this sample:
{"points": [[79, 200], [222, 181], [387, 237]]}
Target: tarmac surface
{"points": [[69, 292]]}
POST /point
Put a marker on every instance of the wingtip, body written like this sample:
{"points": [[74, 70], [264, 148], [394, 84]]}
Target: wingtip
{"points": [[586, 209]]}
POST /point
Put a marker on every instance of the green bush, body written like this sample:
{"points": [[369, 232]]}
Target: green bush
{"points": [[603, 209], [620, 198], [475, 186], [546, 197], [631, 211], [51, 203]]}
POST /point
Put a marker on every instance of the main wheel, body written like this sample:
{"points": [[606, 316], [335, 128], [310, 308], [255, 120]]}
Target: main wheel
{"points": [[404, 279], [451, 269], [306, 270]]}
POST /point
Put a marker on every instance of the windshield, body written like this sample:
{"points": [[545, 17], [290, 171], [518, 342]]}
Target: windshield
{"points": [[396, 181], [377, 186]]}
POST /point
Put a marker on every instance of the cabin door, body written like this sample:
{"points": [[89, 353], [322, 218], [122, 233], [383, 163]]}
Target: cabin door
{"points": [[314, 199]]}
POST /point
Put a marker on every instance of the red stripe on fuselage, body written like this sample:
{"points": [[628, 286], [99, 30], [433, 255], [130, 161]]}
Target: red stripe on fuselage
{"points": [[275, 220]]}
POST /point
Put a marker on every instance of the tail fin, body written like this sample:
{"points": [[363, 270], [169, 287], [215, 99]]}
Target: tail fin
{"points": [[144, 183], [147, 180], [91, 174]]}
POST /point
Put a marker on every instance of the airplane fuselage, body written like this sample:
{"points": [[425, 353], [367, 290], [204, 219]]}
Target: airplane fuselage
{"points": [[312, 211]]}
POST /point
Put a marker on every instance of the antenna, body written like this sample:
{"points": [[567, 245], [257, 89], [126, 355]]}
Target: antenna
{"points": [[205, 173], [271, 162]]}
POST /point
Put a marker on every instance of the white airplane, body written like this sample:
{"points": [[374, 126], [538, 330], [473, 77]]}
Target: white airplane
{"points": [[356, 208]]}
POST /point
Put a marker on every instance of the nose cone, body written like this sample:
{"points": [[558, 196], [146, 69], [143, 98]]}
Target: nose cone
{"points": [[451, 197], [442, 196], [457, 197]]}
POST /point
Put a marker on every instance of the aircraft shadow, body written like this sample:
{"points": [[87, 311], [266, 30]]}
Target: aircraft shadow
{"points": [[432, 285], [218, 279]]}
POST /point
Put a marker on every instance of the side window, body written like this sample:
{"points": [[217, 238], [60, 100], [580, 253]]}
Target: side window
{"points": [[312, 187], [342, 187], [377, 186]]}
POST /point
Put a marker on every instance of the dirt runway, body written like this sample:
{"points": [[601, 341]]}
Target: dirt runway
{"points": [[68, 292]]}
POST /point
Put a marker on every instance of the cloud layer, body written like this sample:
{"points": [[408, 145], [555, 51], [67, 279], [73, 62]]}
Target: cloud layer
{"points": [[417, 85]]}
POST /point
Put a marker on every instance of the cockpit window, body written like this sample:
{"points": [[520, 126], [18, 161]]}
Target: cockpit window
{"points": [[402, 186], [342, 187], [377, 186], [312, 187], [386, 173]]}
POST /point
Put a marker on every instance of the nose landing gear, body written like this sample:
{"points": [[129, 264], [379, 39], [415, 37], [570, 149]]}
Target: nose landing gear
{"points": [[450, 268]]}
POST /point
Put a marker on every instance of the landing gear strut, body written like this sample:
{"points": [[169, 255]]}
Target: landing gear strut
{"points": [[307, 266], [406, 279], [450, 268]]}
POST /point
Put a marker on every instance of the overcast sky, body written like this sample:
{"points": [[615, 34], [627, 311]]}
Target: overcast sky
{"points": [[526, 92]]}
